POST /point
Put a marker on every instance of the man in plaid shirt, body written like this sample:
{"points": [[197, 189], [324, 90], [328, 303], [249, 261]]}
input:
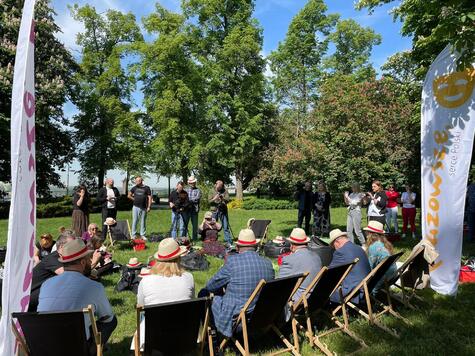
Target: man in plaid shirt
{"points": [[240, 275], [194, 196]]}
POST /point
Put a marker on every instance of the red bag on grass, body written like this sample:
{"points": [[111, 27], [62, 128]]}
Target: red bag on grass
{"points": [[139, 244], [467, 275]]}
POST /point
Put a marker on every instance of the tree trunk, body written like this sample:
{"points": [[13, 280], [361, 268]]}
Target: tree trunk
{"points": [[125, 182], [100, 178], [239, 192], [169, 186]]}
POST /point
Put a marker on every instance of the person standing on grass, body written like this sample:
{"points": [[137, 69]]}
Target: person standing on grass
{"points": [[141, 195], [408, 199], [194, 197], [377, 203], [107, 196], [80, 210], [392, 209], [218, 199], [354, 200], [180, 205], [305, 204], [321, 210]]}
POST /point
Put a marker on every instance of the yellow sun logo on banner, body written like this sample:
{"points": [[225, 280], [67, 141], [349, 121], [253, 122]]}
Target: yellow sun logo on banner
{"points": [[452, 90]]}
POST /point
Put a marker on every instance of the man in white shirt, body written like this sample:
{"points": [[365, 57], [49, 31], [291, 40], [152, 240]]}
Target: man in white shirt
{"points": [[107, 196]]}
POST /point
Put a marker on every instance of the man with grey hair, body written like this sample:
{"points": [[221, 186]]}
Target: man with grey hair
{"points": [[107, 196], [50, 267]]}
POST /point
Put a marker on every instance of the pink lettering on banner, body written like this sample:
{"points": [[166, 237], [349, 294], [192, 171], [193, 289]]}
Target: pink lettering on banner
{"points": [[32, 200], [24, 303], [29, 103], [31, 163], [32, 246], [32, 32], [30, 134], [28, 277]]}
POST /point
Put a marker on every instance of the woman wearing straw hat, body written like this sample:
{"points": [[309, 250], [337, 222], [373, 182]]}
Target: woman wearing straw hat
{"points": [[167, 282]]}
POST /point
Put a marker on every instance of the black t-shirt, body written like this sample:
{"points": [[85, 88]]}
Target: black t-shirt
{"points": [[84, 205], [41, 272], [308, 198], [43, 252], [180, 199], [141, 194]]}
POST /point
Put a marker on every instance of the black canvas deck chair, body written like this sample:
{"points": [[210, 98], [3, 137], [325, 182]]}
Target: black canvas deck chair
{"points": [[177, 328], [272, 299], [55, 333], [370, 302], [408, 277], [118, 232], [314, 301], [259, 227]]}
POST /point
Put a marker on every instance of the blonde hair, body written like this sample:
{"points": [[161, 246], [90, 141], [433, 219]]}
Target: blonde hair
{"points": [[372, 237], [168, 268]]}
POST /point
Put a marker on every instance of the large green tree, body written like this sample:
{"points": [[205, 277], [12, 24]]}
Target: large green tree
{"points": [[297, 63], [227, 44], [173, 88], [54, 67], [103, 87], [353, 44], [433, 24]]}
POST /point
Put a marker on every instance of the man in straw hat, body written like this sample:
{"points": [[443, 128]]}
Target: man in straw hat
{"points": [[240, 275], [300, 260], [346, 252], [73, 290], [194, 197]]}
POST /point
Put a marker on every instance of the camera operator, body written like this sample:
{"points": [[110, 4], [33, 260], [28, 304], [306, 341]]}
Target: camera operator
{"points": [[180, 204], [218, 199]]}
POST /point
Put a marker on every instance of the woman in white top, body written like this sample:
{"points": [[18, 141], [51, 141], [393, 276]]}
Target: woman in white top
{"points": [[408, 199], [167, 282], [354, 201]]}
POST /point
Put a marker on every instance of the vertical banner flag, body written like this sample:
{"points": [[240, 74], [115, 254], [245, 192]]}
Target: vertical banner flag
{"points": [[22, 219], [447, 129]]}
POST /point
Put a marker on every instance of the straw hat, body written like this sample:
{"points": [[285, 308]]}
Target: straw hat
{"points": [[298, 236], [73, 250], [278, 240], [144, 272], [168, 250], [191, 179], [133, 262], [247, 238], [336, 233], [375, 226], [208, 215], [110, 221]]}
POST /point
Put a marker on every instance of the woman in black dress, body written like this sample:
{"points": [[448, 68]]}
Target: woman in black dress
{"points": [[80, 210], [321, 212]]}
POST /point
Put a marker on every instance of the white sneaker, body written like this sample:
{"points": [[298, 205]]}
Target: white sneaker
{"points": [[403, 236]]}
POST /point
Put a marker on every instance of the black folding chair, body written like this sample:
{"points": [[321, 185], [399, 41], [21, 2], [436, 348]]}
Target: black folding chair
{"points": [[120, 231], [55, 333], [259, 227], [177, 328], [367, 285], [272, 299], [315, 300]]}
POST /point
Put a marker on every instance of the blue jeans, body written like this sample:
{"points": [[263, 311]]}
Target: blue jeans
{"points": [[193, 216], [471, 225], [138, 213], [177, 223], [223, 217]]}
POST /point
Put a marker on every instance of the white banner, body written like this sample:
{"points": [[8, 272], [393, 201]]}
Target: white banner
{"points": [[22, 219], [447, 129]]}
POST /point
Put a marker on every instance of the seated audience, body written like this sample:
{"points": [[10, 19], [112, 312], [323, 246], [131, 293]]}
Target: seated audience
{"points": [[346, 252], [43, 247], [167, 281], [101, 260], [378, 249], [47, 268], [73, 290], [92, 230], [208, 230], [240, 275], [300, 260]]}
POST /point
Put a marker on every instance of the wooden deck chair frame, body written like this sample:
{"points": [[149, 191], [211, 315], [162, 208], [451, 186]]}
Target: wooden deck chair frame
{"points": [[370, 315], [23, 349], [203, 335], [242, 320], [264, 237], [408, 292], [314, 338], [109, 234]]}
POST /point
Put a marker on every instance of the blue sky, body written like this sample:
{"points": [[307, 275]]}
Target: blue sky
{"points": [[274, 17]]}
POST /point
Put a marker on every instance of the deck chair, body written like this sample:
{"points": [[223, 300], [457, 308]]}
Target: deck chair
{"points": [[259, 227], [118, 232], [407, 278], [177, 328], [315, 300], [368, 284], [33, 333], [272, 299]]}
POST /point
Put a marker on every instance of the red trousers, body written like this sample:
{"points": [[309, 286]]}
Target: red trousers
{"points": [[408, 216]]}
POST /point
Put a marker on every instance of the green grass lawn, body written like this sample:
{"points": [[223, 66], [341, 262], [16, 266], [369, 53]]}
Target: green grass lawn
{"points": [[442, 326]]}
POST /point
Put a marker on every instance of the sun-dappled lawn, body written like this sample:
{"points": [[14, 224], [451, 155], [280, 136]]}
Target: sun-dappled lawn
{"points": [[442, 326]]}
